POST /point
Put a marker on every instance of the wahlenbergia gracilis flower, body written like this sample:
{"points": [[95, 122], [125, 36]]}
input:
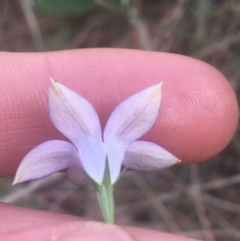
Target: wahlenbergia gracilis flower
{"points": [[96, 155]]}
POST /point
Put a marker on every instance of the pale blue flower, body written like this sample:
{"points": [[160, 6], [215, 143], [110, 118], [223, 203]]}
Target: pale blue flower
{"points": [[93, 154], [89, 149]]}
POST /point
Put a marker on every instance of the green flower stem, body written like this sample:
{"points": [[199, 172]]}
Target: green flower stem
{"points": [[106, 202], [105, 194]]}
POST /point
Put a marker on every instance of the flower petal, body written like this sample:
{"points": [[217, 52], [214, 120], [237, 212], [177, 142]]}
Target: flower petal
{"points": [[76, 175], [46, 159], [77, 119], [129, 121], [148, 156]]}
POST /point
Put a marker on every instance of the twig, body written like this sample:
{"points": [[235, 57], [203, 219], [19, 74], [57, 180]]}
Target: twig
{"points": [[143, 203], [22, 193], [32, 24], [167, 25], [201, 10], [88, 27], [166, 197], [158, 206], [200, 208], [222, 204], [56, 205], [138, 24], [220, 46], [220, 183], [224, 224], [217, 233]]}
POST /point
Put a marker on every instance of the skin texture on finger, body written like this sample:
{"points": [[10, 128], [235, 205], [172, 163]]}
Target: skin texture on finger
{"points": [[41, 227], [198, 113], [16, 218]]}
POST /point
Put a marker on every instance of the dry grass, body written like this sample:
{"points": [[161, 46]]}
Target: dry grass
{"points": [[191, 201]]}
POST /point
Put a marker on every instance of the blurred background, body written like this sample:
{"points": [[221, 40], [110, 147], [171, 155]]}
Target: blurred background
{"points": [[200, 201]]}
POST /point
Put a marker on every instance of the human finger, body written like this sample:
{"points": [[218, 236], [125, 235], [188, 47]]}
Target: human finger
{"points": [[85, 230], [198, 114]]}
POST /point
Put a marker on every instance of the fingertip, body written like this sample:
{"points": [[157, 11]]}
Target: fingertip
{"points": [[199, 110], [87, 231]]}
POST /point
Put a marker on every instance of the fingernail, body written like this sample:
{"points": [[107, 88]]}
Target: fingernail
{"points": [[92, 231]]}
